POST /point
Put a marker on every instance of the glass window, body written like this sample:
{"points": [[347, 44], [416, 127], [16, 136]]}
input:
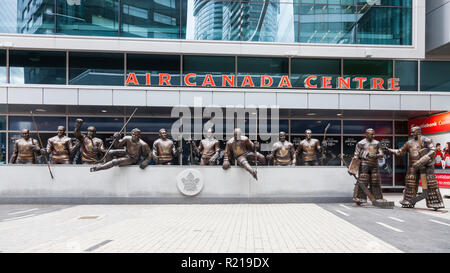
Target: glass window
{"points": [[87, 18], [214, 65], [434, 76], [385, 25], [263, 21], [401, 162], [407, 72], [324, 23], [151, 125], [368, 69], [150, 19], [349, 146], [257, 67], [101, 124], [31, 17], [360, 127], [2, 123], [17, 123], [401, 127], [2, 148], [316, 126], [96, 68], [332, 151], [37, 67], [302, 68], [154, 64], [3, 73]]}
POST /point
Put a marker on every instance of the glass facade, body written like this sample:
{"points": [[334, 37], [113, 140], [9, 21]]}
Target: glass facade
{"points": [[96, 68], [305, 21], [434, 76], [3, 74], [368, 69], [213, 65], [97, 18], [408, 73], [257, 67], [302, 68], [37, 67], [99, 68], [141, 64]]}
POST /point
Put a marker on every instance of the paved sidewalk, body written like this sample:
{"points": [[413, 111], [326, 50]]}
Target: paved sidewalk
{"points": [[183, 228]]}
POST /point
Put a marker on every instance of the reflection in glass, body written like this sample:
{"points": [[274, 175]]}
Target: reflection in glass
{"points": [[385, 25], [154, 64], [17, 123], [2, 148], [25, 16], [37, 67], [302, 68], [87, 18], [264, 21], [401, 162], [407, 72], [96, 68], [202, 65], [256, 67], [2, 123], [151, 125], [151, 19], [101, 124], [3, 73], [434, 76], [316, 126], [360, 126], [368, 69]]}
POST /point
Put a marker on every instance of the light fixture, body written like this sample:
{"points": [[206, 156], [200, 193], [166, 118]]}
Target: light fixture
{"points": [[340, 115], [311, 114], [41, 110], [104, 111]]}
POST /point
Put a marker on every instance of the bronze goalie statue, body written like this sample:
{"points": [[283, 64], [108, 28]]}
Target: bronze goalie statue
{"points": [[242, 149], [421, 165], [365, 163]]}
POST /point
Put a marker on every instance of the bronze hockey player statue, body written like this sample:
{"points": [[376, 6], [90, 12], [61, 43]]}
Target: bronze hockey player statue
{"points": [[309, 148], [209, 148], [283, 152], [164, 150], [242, 149], [91, 147], [59, 147], [421, 153], [365, 162], [135, 148], [25, 149]]}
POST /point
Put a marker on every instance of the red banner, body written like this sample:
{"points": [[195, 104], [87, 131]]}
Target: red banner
{"points": [[443, 180], [434, 124]]}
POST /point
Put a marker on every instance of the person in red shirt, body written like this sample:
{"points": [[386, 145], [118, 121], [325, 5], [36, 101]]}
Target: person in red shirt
{"points": [[439, 159], [447, 156]]}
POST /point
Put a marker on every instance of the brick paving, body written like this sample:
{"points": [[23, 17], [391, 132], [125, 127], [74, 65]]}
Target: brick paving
{"points": [[221, 228]]}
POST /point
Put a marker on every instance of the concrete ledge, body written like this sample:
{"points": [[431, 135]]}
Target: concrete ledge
{"points": [[158, 184]]}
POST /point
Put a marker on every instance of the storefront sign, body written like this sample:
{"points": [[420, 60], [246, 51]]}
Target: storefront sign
{"points": [[311, 82], [443, 180], [434, 124]]}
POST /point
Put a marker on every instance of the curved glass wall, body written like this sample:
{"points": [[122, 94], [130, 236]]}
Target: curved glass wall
{"points": [[305, 21]]}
